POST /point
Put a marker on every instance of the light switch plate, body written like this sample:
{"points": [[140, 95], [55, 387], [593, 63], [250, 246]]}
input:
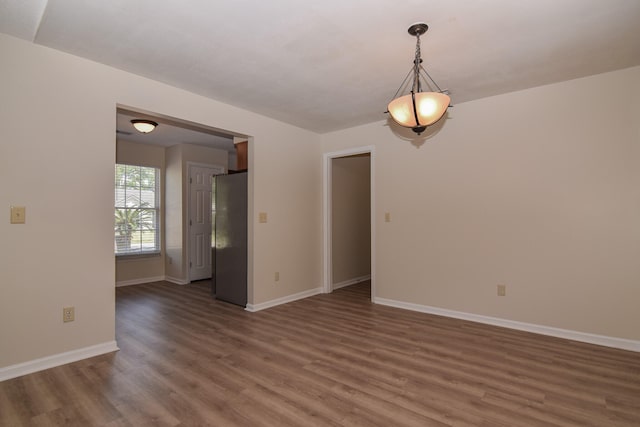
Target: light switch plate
{"points": [[18, 214], [262, 217], [502, 290]]}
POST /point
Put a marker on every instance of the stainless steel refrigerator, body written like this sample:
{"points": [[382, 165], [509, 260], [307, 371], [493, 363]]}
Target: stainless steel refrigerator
{"points": [[230, 255]]}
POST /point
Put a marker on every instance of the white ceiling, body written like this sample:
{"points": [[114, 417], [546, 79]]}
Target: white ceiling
{"points": [[332, 64]]}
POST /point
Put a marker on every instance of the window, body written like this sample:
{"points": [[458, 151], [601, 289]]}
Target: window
{"points": [[137, 206]]}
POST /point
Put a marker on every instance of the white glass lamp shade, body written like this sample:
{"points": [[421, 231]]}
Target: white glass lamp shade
{"points": [[430, 107], [144, 126]]}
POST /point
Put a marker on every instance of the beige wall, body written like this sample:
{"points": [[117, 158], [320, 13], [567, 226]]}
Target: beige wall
{"points": [[350, 218], [537, 189], [173, 217], [287, 185], [137, 268], [134, 153], [63, 255]]}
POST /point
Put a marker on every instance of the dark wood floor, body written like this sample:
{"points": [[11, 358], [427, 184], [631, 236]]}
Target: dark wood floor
{"points": [[334, 359]]}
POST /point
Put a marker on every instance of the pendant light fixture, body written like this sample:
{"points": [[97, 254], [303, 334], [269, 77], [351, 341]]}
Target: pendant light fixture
{"points": [[144, 126], [419, 108]]}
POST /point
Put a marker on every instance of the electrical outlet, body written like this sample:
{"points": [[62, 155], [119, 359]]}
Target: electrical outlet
{"points": [[502, 290], [68, 314], [277, 276], [18, 214]]}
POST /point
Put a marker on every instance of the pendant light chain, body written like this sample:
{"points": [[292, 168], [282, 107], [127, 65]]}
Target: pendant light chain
{"points": [[417, 87]]}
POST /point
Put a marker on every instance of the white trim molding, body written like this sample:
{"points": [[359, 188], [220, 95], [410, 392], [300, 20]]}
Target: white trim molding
{"points": [[36, 365], [140, 281], [613, 342], [351, 282], [283, 300], [327, 266], [176, 280]]}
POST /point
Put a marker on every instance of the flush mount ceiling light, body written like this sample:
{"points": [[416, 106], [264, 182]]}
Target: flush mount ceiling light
{"points": [[419, 108], [144, 126]]}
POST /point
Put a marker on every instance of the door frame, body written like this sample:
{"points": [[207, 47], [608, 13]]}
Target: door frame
{"points": [[327, 197], [187, 250]]}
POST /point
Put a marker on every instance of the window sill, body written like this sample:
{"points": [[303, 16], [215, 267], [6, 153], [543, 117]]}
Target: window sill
{"points": [[137, 256]]}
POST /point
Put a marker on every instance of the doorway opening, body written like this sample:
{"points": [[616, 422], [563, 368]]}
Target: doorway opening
{"points": [[349, 218], [177, 148]]}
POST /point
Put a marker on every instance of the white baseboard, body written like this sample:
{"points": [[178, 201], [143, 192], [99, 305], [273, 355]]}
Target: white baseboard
{"points": [[36, 365], [351, 282], [140, 281], [176, 281], [283, 300], [603, 340]]}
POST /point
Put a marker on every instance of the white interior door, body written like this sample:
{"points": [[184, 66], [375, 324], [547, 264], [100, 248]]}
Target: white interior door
{"points": [[200, 186]]}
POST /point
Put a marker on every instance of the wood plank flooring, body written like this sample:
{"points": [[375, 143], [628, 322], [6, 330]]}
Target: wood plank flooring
{"points": [[328, 360]]}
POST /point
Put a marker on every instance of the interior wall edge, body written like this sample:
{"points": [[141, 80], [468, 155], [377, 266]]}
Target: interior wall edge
{"points": [[176, 280], [283, 300]]}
